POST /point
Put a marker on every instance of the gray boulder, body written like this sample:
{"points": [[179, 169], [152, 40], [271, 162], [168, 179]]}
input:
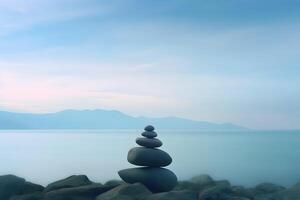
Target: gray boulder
{"points": [[266, 188], [87, 192], [155, 179], [240, 191], [174, 195], [135, 191], [114, 183], [187, 185], [218, 192], [142, 156], [235, 198], [292, 193], [223, 183], [203, 181], [72, 181], [265, 197], [32, 196], [29, 187], [10, 185], [197, 183]]}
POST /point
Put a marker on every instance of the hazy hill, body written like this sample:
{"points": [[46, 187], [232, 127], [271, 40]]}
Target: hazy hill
{"points": [[100, 119]]}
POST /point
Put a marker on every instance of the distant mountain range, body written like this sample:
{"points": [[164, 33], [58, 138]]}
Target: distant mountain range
{"points": [[101, 119]]}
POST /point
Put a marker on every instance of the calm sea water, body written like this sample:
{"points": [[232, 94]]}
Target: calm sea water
{"points": [[244, 158]]}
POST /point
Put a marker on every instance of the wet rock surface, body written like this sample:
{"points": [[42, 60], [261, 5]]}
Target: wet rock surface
{"points": [[149, 128], [292, 193], [114, 183], [87, 192], [267, 188], [33, 196], [201, 187], [11, 185], [126, 191], [72, 181], [148, 142], [156, 179], [148, 157], [149, 134], [174, 195]]}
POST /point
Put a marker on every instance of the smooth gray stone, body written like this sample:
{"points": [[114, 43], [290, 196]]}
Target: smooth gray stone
{"points": [[114, 183], [72, 181], [149, 134], [87, 192], [126, 192], [142, 156], [215, 192], [148, 142], [155, 179], [265, 188], [31, 188], [292, 193], [241, 191], [187, 185], [149, 128], [31, 196], [197, 183], [203, 180], [174, 195], [10, 185]]}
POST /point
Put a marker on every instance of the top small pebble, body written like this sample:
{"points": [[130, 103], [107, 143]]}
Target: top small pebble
{"points": [[149, 128]]}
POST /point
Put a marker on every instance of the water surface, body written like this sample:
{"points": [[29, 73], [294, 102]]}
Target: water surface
{"points": [[244, 158]]}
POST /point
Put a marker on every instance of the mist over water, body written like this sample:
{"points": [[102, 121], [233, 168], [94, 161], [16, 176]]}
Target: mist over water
{"points": [[244, 158]]}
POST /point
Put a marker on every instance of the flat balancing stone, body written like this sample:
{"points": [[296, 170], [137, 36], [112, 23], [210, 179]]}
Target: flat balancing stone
{"points": [[155, 179], [149, 128], [149, 134], [149, 157], [148, 142]]}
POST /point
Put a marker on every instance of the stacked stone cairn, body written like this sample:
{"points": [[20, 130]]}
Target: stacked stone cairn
{"points": [[151, 174]]}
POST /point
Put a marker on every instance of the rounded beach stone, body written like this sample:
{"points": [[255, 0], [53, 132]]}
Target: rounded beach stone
{"points": [[177, 195], [149, 128], [71, 181], [149, 134], [148, 142], [148, 157], [82, 192], [155, 179], [126, 192]]}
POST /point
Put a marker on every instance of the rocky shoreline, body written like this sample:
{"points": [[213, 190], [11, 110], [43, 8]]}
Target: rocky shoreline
{"points": [[201, 187]]}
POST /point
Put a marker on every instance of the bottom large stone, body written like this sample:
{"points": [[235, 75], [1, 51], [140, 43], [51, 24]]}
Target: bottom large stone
{"points": [[155, 179]]}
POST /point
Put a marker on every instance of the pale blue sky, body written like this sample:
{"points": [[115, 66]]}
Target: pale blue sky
{"points": [[218, 60]]}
